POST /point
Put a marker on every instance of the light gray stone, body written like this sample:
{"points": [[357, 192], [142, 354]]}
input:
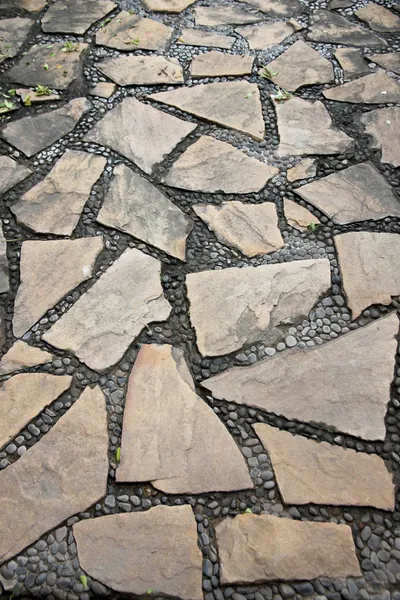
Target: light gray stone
{"points": [[198, 37], [11, 173], [376, 88], [220, 64], [73, 16], [331, 28], [383, 125], [142, 70], [210, 16], [379, 18], [21, 355], [277, 8], [389, 61], [130, 32], [262, 36], [13, 33], [352, 62]]}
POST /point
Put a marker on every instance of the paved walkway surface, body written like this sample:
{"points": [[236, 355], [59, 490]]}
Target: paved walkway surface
{"points": [[199, 284]]}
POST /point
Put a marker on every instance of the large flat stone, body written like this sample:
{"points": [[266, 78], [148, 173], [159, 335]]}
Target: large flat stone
{"points": [[258, 548], [21, 355], [191, 451], [297, 216], [198, 37], [49, 269], [383, 125], [4, 273], [149, 135], [210, 16], [164, 557], [233, 307], [277, 8], [115, 309], [210, 165], [63, 474], [74, 16], [142, 70], [352, 62], [376, 88], [169, 6], [355, 194], [55, 204], [389, 61], [379, 18], [32, 134], [13, 33], [220, 64], [11, 173], [262, 36], [312, 472], [129, 32], [234, 104], [331, 28], [135, 206], [341, 384], [307, 167]]}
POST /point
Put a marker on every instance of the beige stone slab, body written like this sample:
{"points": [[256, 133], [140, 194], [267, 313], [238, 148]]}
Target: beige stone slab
{"points": [[379, 18], [332, 28], [11, 173], [191, 450], [198, 37], [376, 88], [341, 384], [33, 5], [21, 355], [352, 62], [13, 33], [104, 89], [170, 6], [220, 64], [4, 272], [29, 96], [74, 16], [307, 167], [299, 217], [278, 8], [308, 471], [63, 474], [267, 34], [210, 16], [383, 125], [142, 70], [389, 61], [165, 557], [129, 32]]}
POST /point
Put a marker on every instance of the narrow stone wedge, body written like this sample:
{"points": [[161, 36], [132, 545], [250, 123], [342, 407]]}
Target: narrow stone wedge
{"points": [[129, 32], [377, 88], [4, 272], [21, 355], [331, 28], [142, 70], [383, 125], [11, 173]]}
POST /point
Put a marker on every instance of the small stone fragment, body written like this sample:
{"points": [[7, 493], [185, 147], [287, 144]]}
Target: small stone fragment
{"points": [[379, 18], [29, 96], [104, 89], [331, 28], [352, 62], [198, 37], [337, 4], [74, 16], [4, 274], [220, 64], [383, 125], [376, 88], [21, 355], [11, 173], [277, 8], [262, 36], [129, 32], [389, 61], [307, 167], [13, 33], [169, 6], [210, 16], [142, 70], [299, 217], [32, 5]]}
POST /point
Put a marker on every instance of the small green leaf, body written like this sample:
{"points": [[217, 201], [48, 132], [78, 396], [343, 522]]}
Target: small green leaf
{"points": [[12, 92], [83, 580], [268, 74], [103, 23], [70, 47], [8, 104], [27, 101], [248, 511], [248, 95], [42, 90], [131, 12], [149, 591], [49, 46], [281, 95], [312, 226], [46, 67], [118, 454]]}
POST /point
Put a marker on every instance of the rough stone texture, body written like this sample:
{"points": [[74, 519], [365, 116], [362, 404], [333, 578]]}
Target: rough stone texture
{"points": [[257, 548], [218, 64], [32, 134], [251, 228], [389, 61], [336, 4], [55, 204], [210, 165], [63, 474], [137, 207], [129, 32], [114, 311], [29, 95], [32, 5], [341, 384], [352, 62], [369, 266], [383, 125], [267, 34], [104, 89], [210, 16], [191, 450], [41, 285], [11, 173], [198, 37], [2, 328], [297, 216], [13, 33], [233, 307], [234, 104], [142, 70], [307, 167], [4, 274], [149, 134], [376, 88], [165, 557], [355, 194], [332, 28], [23, 396], [20, 355], [277, 8], [169, 6], [379, 18], [306, 127], [74, 16], [314, 472]]}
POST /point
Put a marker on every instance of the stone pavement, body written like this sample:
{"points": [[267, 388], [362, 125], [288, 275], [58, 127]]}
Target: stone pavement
{"points": [[199, 294]]}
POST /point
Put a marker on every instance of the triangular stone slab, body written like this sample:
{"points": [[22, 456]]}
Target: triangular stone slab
{"points": [[389, 61], [11, 173], [383, 125], [377, 88], [352, 62], [129, 32], [297, 216], [169, 6], [379, 18], [191, 450], [199, 37], [142, 70], [262, 36], [210, 16], [21, 356], [331, 28], [13, 33], [278, 8], [73, 16]]}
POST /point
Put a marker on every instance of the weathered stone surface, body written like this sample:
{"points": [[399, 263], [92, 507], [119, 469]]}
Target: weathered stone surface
{"points": [[73, 16], [233, 307], [307, 167], [170, 6], [23, 396], [297, 216], [352, 62], [220, 64], [142, 70], [336, 4], [104, 89], [300, 65], [149, 134], [13, 33], [49, 269], [11, 173], [32, 134], [55, 204], [314, 472], [198, 37], [234, 104], [369, 266], [341, 384], [251, 228], [63, 474], [115, 309], [267, 34], [4, 280], [354, 194], [210, 16], [277, 8], [332, 28], [383, 125], [257, 548], [2, 326], [129, 32], [191, 450], [376, 88], [389, 61], [135, 206], [210, 165], [21, 355], [32, 5], [29, 95], [379, 18], [165, 557], [306, 127]]}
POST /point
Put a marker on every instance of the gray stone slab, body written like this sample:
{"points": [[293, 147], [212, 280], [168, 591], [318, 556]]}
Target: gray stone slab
{"points": [[74, 16], [332, 28]]}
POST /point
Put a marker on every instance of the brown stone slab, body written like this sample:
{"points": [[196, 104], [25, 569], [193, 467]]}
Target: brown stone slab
{"points": [[383, 125], [277, 8], [74, 16], [389, 61], [13, 33], [377, 88], [379, 18], [11, 173], [307, 167], [299, 217], [21, 356], [210, 16], [104, 89], [142, 70], [331, 28], [220, 64], [267, 34], [129, 32], [169, 6], [352, 62], [199, 37]]}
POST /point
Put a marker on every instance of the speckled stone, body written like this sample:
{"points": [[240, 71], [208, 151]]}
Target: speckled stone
{"points": [[72, 16]]}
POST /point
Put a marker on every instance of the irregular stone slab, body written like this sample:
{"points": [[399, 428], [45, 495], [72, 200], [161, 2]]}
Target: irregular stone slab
{"points": [[379, 18], [20, 356], [233, 307], [169, 6], [278, 8], [149, 134], [55, 204], [63, 66], [32, 5], [2, 326], [308, 471], [341, 384], [4, 279], [165, 557], [11, 173], [28, 95], [377, 88], [389, 61], [73, 16], [13, 33], [210, 16], [258, 548], [190, 453], [297, 216], [352, 62], [307, 167], [251, 228], [49, 269], [306, 127], [336, 4], [369, 270], [211, 166], [198, 37], [24, 396], [355, 194], [300, 65], [142, 70], [135, 206], [220, 64], [383, 125], [32, 134], [112, 321], [332, 28], [267, 34], [234, 104], [103, 89], [63, 474], [130, 32]]}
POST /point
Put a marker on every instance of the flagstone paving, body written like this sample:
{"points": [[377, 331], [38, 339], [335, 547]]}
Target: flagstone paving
{"points": [[210, 16], [330, 27], [389, 61], [21, 355], [199, 37], [352, 62], [383, 125], [129, 32], [13, 33], [142, 70], [299, 217], [263, 36], [376, 88]]}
